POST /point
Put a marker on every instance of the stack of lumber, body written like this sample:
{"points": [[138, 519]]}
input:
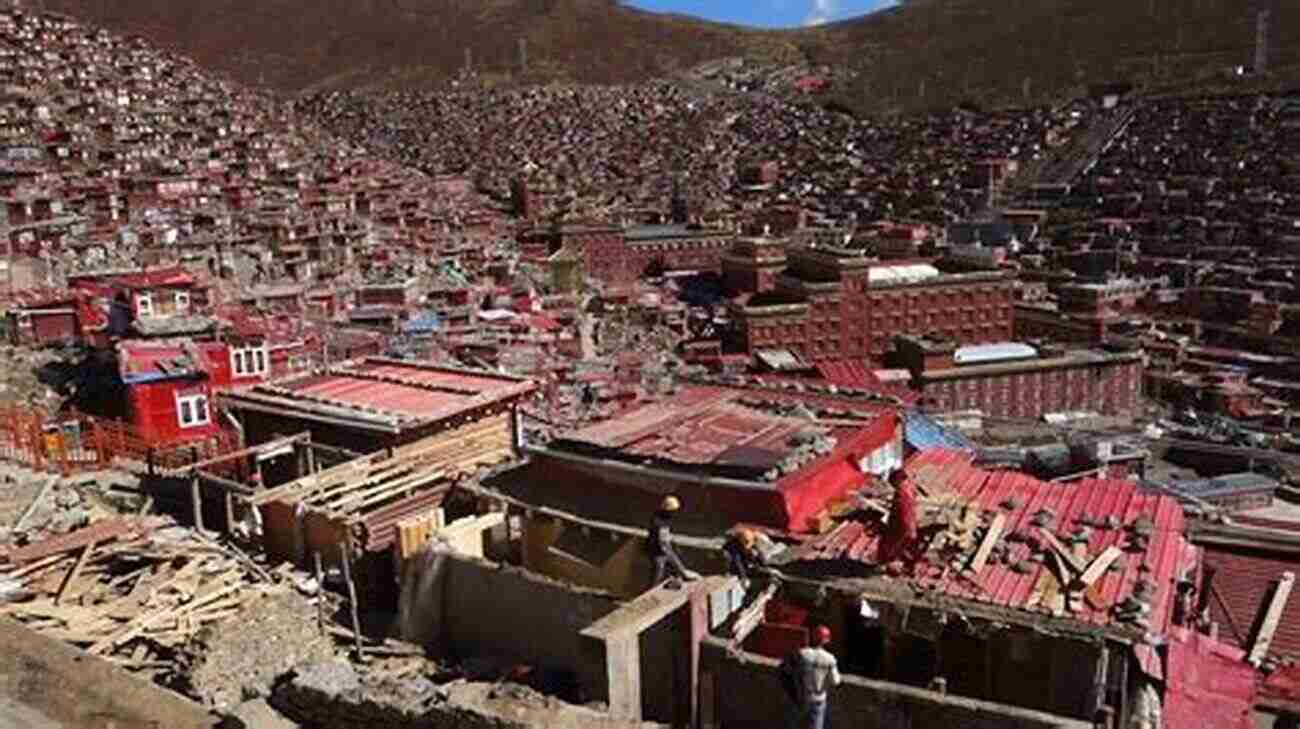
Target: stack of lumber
{"points": [[127, 589]]}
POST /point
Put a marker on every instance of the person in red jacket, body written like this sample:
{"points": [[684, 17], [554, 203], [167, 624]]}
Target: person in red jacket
{"points": [[900, 532]]}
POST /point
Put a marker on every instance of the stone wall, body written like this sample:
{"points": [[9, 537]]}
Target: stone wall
{"points": [[748, 695], [334, 695]]}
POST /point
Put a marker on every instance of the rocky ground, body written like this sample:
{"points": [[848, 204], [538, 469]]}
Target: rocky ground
{"points": [[338, 695], [63, 504], [22, 371], [241, 657]]}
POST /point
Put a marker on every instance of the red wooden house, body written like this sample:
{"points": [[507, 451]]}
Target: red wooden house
{"points": [[40, 317], [168, 391], [156, 294]]}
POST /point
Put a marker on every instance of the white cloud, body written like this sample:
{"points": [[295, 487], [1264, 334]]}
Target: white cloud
{"points": [[822, 11]]}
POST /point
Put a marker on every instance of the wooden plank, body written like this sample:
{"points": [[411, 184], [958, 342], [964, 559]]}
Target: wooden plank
{"points": [[142, 623], [989, 542], [37, 566], [346, 550], [241, 453], [1272, 616], [1056, 597], [1060, 549], [752, 615], [320, 592], [1099, 566], [71, 577]]}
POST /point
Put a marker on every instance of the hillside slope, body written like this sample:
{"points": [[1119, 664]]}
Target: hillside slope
{"points": [[294, 45], [937, 52], [922, 54]]}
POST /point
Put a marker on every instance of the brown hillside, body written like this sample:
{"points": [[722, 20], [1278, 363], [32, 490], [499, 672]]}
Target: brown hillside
{"points": [[937, 52], [295, 45], [926, 53]]}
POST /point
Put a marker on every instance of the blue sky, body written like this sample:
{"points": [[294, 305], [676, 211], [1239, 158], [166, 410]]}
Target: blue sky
{"points": [[773, 13]]}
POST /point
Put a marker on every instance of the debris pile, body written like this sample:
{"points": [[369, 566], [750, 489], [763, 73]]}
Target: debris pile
{"points": [[134, 590]]}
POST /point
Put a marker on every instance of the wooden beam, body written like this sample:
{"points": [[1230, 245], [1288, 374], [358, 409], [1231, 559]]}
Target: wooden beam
{"points": [[1271, 617], [1072, 561], [71, 577], [346, 550], [991, 538], [320, 592], [1099, 566], [752, 615], [196, 501], [227, 485], [243, 452]]}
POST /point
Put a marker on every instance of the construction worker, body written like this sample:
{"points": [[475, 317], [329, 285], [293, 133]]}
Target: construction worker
{"points": [[808, 675], [662, 553], [899, 539], [744, 556]]}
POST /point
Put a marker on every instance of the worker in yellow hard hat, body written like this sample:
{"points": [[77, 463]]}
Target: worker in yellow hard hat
{"points": [[745, 553], [667, 564]]}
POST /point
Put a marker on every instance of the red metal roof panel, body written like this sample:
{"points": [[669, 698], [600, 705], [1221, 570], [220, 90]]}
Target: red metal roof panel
{"points": [[1015, 582]]}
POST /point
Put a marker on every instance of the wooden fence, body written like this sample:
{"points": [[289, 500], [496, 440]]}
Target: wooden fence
{"points": [[69, 442]]}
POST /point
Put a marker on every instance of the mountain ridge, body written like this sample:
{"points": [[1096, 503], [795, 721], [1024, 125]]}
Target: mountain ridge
{"points": [[918, 55]]}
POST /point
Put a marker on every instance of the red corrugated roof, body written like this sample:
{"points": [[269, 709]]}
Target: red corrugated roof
{"points": [[859, 374], [1168, 556], [1209, 684], [175, 276], [1242, 580], [404, 389]]}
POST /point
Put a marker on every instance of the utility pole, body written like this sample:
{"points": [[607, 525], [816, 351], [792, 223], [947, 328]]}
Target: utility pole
{"points": [[1262, 19], [523, 55]]}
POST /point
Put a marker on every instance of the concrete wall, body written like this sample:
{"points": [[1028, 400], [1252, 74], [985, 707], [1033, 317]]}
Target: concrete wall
{"points": [[491, 610], [747, 694]]}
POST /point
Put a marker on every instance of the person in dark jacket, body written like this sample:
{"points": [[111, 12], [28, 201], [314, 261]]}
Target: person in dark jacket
{"points": [[667, 564], [744, 557]]}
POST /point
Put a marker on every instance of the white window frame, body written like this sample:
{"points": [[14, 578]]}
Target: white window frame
{"points": [[144, 305], [199, 408], [182, 301], [249, 361]]}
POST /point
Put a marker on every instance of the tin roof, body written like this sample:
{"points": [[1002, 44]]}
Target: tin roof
{"points": [[1018, 581], [1243, 579], [392, 394], [708, 426]]}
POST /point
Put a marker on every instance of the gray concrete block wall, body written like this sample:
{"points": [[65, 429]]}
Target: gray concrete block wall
{"points": [[508, 613], [749, 696]]}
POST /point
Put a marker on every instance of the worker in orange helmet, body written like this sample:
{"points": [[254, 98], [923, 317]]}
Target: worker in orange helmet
{"points": [[745, 553], [667, 563], [808, 675]]}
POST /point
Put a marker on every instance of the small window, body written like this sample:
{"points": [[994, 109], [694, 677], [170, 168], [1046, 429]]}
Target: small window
{"points": [[144, 305], [248, 361], [192, 410], [182, 301]]}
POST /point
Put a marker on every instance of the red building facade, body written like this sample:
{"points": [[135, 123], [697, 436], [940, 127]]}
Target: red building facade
{"points": [[1102, 382], [835, 304], [752, 265], [617, 255]]}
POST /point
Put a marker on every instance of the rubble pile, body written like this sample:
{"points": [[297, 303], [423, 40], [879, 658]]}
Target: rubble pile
{"points": [[131, 589], [339, 695]]}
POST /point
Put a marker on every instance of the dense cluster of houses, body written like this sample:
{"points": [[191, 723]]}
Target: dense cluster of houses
{"points": [[544, 309]]}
